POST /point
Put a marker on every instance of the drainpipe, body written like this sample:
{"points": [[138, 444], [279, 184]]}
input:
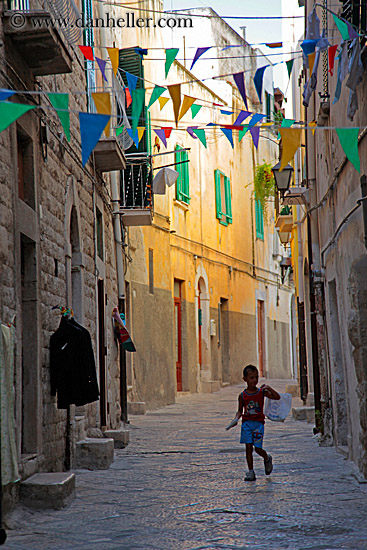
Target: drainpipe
{"points": [[119, 241]]}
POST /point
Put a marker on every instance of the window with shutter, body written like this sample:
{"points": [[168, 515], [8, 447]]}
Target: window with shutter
{"points": [[223, 200], [182, 182], [355, 11], [88, 38], [259, 220]]}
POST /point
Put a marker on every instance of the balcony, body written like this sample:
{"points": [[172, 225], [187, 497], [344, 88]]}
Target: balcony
{"points": [[44, 47], [136, 203]]}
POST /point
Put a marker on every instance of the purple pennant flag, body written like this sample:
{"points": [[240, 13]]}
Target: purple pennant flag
{"points": [[255, 132], [199, 53], [162, 136], [102, 66], [228, 133], [352, 32], [190, 131], [240, 82], [241, 117]]}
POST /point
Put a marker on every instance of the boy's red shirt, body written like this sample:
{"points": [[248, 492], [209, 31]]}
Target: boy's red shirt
{"points": [[253, 406]]}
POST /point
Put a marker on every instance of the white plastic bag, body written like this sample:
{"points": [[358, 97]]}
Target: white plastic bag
{"points": [[278, 410]]}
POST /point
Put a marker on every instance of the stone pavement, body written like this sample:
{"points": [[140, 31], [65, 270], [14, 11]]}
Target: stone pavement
{"points": [[179, 486]]}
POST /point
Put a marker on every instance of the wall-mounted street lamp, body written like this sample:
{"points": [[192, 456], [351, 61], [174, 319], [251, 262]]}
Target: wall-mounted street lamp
{"points": [[283, 178]]}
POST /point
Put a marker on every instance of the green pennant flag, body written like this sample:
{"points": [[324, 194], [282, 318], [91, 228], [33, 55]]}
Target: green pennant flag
{"points": [[195, 109], [242, 132], [60, 103], [10, 112], [170, 57], [342, 27], [289, 67], [119, 130], [201, 135], [287, 122], [157, 92], [348, 138], [137, 106]]}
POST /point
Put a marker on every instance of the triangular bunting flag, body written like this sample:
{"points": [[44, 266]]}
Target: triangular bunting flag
{"points": [[200, 133], [91, 128], [119, 130], [258, 81], [313, 125], [199, 53], [60, 103], [239, 79], [114, 57], [167, 132], [141, 52], [5, 94], [287, 123], [331, 55], [102, 66], [352, 32], [190, 130], [226, 112], [163, 101], [171, 54], [242, 133], [129, 99], [186, 104], [87, 51], [102, 102], [289, 66], [9, 112], [157, 92], [175, 93], [274, 44], [291, 140], [228, 133], [348, 138], [342, 27], [195, 109], [131, 81], [162, 136], [138, 104], [255, 132], [255, 119], [241, 117], [141, 130], [309, 46], [134, 136]]}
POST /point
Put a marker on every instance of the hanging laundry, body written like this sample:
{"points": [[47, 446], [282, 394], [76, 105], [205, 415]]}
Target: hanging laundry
{"points": [[312, 32], [72, 365], [311, 82], [165, 178], [355, 77], [121, 331], [9, 455]]}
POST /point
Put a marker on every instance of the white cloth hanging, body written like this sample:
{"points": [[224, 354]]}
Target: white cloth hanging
{"points": [[165, 177]]}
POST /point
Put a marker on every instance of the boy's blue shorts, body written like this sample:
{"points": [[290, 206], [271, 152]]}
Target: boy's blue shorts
{"points": [[252, 431]]}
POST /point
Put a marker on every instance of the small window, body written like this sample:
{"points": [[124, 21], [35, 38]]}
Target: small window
{"points": [[99, 230], [182, 182], [259, 220], [26, 190], [151, 273], [268, 107], [223, 199]]}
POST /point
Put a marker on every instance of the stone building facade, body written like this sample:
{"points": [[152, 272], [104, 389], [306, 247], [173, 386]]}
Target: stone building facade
{"points": [[57, 245]]}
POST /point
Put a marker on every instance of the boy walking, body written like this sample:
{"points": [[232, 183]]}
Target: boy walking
{"points": [[250, 407]]}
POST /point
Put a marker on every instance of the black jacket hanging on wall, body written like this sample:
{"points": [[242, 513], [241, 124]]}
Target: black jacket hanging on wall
{"points": [[72, 365]]}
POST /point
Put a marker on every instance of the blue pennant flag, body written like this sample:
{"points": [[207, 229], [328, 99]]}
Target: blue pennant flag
{"points": [[91, 128], [228, 133], [131, 81], [4, 94], [134, 136], [258, 81]]}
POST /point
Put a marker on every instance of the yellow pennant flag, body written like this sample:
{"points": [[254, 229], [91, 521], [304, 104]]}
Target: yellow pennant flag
{"points": [[186, 104], [313, 125], [102, 101], [175, 93], [114, 56], [141, 130], [163, 101], [291, 141], [311, 61]]}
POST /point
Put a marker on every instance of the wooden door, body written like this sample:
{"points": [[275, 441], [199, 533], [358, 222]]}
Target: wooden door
{"points": [[178, 337], [200, 322], [261, 336]]}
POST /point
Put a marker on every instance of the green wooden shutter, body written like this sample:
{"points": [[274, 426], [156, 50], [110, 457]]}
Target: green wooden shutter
{"points": [[185, 187], [259, 220], [178, 167], [149, 132], [227, 186], [218, 202]]}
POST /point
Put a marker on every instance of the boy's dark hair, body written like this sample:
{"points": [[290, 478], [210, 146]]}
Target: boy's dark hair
{"points": [[248, 369]]}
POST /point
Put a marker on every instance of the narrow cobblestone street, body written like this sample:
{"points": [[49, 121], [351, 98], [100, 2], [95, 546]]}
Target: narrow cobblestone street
{"points": [[179, 485]]}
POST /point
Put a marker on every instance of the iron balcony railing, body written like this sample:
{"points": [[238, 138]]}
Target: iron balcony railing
{"points": [[136, 182], [65, 13]]}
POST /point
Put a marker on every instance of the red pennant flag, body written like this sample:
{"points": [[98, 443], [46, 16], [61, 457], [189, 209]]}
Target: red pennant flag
{"points": [[87, 51], [167, 132], [332, 52], [128, 98]]}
